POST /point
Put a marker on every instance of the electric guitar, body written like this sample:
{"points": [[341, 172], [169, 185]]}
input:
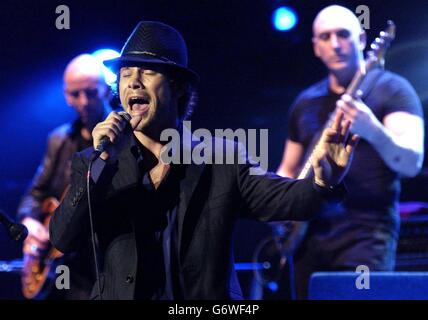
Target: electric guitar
{"points": [[38, 273], [287, 236]]}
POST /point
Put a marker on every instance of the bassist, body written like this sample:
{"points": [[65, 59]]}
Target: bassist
{"points": [[388, 118]]}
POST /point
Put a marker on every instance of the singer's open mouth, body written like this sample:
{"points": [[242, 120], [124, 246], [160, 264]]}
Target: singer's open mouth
{"points": [[138, 103]]}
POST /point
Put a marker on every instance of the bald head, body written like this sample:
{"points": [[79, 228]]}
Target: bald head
{"points": [[339, 41], [85, 89], [337, 17], [84, 66]]}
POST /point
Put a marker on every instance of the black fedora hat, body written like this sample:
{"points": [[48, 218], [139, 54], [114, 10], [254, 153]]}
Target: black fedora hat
{"points": [[155, 44]]}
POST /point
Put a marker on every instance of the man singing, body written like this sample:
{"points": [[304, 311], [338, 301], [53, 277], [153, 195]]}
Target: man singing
{"points": [[165, 230]]}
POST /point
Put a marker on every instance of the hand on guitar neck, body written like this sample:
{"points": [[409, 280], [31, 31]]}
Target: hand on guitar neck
{"points": [[363, 122]]}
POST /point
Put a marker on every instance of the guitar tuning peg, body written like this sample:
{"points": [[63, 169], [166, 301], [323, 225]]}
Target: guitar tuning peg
{"points": [[374, 46]]}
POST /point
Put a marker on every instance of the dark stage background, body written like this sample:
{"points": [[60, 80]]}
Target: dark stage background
{"points": [[250, 74]]}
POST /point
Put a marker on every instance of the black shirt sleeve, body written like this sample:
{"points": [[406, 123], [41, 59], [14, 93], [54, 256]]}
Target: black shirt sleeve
{"points": [[293, 118], [401, 95]]}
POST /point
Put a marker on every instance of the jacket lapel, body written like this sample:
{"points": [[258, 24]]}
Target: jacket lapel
{"points": [[128, 173], [192, 176], [188, 184], [127, 176]]}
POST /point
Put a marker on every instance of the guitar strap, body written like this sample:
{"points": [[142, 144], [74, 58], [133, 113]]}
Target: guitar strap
{"points": [[369, 82]]}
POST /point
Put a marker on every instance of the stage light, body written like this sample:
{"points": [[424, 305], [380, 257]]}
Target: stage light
{"points": [[273, 286], [284, 18], [106, 54]]}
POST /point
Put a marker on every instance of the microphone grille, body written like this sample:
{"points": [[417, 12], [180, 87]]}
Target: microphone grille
{"points": [[125, 115]]}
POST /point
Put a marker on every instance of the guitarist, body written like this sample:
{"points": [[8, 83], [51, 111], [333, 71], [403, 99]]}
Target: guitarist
{"points": [[388, 118], [87, 93]]}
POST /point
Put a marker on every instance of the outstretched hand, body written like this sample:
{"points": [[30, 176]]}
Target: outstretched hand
{"points": [[333, 154]]}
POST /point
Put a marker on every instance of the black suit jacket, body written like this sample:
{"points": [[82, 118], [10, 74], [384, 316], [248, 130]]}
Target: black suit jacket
{"points": [[211, 198]]}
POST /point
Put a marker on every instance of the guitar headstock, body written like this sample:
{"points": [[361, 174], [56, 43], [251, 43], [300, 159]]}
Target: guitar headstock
{"points": [[376, 54]]}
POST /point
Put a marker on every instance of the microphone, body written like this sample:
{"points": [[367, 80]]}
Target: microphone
{"points": [[16, 231], [105, 141]]}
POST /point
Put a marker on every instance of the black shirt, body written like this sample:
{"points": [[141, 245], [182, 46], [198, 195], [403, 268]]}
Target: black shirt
{"points": [[155, 232]]}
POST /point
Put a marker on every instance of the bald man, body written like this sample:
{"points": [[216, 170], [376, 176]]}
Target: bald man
{"points": [[86, 91], [389, 121]]}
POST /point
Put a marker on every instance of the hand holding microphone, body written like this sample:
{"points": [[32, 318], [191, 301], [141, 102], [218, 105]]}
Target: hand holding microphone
{"points": [[108, 135]]}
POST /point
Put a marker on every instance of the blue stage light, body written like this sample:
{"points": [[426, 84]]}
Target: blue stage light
{"points": [[284, 18], [107, 54], [273, 286]]}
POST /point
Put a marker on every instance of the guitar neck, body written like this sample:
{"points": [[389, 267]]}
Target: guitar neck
{"points": [[351, 90], [305, 172]]}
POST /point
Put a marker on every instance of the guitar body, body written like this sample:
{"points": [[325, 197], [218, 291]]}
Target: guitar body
{"points": [[38, 274]]}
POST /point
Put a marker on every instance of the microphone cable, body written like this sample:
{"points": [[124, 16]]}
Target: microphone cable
{"points": [[91, 224]]}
